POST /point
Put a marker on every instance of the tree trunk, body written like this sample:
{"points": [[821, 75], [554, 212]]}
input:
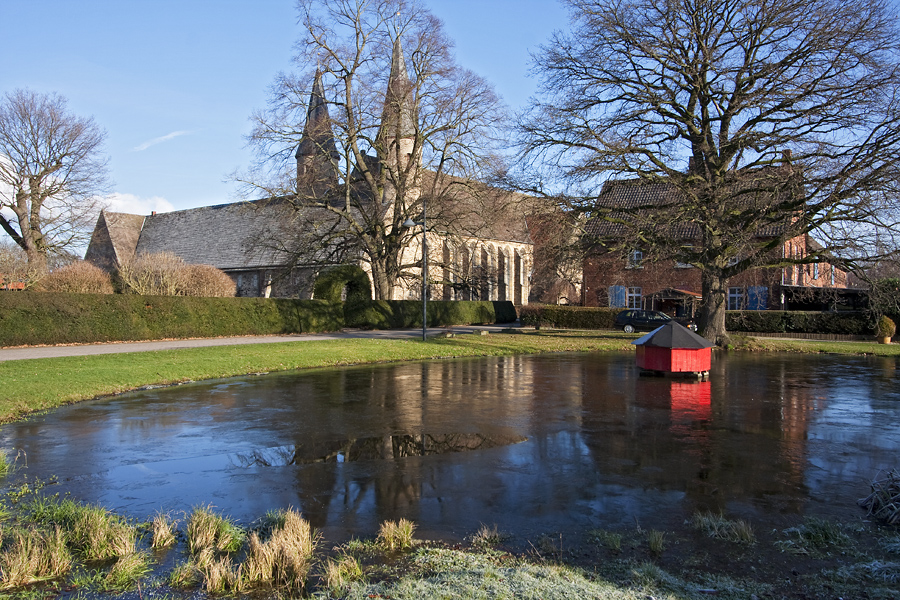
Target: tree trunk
{"points": [[712, 312]]}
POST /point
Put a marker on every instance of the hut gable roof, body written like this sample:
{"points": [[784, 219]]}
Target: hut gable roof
{"points": [[673, 335]]}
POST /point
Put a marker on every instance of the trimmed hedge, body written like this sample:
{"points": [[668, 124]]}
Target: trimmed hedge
{"points": [[778, 321], [34, 318], [393, 314], [568, 317], [330, 284], [759, 321]]}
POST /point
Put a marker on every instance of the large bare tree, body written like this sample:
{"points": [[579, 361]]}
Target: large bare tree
{"points": [[770, 119], [377, 93], [52, 175]]}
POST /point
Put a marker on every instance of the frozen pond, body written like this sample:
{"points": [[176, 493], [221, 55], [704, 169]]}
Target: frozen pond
{"points": [[555, 444]]}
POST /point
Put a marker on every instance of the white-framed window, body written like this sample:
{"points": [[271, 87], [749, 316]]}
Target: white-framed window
{"points": [[735, 298], [832, 274], [634, 297], [635, 259], [815, 270]]}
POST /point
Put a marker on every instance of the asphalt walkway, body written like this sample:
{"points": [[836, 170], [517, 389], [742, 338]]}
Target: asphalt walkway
{"points": [[29, 352]]}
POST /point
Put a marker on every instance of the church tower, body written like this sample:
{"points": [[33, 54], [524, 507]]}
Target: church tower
{"points": [[317, 155], [396, 139]]}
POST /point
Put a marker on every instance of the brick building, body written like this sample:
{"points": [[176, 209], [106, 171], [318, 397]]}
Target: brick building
{"points": [[635, 276]]}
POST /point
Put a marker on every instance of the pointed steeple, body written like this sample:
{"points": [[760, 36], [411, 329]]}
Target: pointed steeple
{"points": [[317, 155], [398, 118], [318, 138]]}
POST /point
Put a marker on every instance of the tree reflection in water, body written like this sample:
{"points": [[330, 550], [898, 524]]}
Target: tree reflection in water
{"points": [[373, 448]]}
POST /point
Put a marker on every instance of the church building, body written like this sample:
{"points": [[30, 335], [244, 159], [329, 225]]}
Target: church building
{"points": [[478, 240]]}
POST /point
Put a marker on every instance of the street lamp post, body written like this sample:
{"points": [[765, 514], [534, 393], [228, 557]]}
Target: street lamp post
{"points": [[423, 223]]}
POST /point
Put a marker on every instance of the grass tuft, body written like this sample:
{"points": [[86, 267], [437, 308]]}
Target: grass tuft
{"points": [[92, 532], [208, 530], [286, 557], [128, 570], [612, 540], [396, 535], [163, 531], [717, 526], [813, 534], [487, 537], [657, 541], [219, 574], [341, 572], [31, 555]]}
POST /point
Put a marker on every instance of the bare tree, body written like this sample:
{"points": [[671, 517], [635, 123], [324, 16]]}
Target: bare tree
{"points": [[52, 175], [770, 119], [383, 122]]}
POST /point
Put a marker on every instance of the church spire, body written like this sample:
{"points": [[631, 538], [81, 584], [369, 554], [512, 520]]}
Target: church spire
{"points": [[399, 116], [317, 155]]}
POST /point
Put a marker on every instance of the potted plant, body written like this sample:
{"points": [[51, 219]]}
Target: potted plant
{"points": [[885, 329]]}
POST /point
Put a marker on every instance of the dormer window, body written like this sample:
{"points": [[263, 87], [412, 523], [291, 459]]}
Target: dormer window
{"points": [[635, 260]]}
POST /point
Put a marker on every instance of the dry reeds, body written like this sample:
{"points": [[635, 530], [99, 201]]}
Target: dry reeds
{"points": [[883, 503], [219, 574], [162, 529], [341, 572], [207, 530], [657, 541], [717, 526], [284, 559], [394, 536], [128, 570], [32, 556]]}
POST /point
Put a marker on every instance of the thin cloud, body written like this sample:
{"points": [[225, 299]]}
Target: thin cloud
{"points": [[159, 140]]}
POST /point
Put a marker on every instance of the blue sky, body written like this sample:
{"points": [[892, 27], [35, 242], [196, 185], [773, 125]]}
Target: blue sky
{"points": [[173, 82]]}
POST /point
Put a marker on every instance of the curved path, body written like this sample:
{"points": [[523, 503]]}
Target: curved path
{"points": [[29, 352]]}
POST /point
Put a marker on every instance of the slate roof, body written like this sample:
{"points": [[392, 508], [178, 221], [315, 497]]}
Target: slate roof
{"points": [[114, 239], [619, 197], [673, 335], [226, 236]]}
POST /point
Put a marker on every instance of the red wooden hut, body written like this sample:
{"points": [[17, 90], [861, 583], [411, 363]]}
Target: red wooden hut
{"points": [[673, 348]]}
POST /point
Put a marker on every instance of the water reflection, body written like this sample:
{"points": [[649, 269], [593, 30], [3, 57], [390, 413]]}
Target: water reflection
{"points": [[560, 443], [390, 447]]}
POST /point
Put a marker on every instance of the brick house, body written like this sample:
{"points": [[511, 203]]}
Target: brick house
{"points": [[642, 277]]}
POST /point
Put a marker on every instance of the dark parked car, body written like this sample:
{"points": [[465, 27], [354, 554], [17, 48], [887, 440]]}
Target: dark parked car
{"points": [[630, 320]]}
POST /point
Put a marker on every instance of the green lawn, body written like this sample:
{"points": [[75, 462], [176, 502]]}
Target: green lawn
{"points": [[40, 384]]}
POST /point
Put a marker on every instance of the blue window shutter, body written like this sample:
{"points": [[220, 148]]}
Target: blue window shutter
{"points": [[757, 297]]}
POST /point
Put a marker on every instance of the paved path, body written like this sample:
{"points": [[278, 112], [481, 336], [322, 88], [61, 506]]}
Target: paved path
{"points": [[122, 347]]}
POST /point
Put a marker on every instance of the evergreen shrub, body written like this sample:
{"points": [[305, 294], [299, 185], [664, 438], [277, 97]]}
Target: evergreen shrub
{"points": [[885, 327], [331, 283], [393, 314], [32, 318], [568, 317], [778, 321], [29, 318]]}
